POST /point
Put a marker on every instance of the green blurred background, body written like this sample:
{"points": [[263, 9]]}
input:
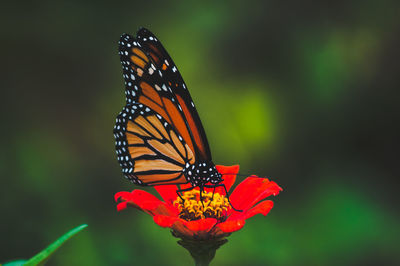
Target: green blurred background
{"points": [[303, 92]]}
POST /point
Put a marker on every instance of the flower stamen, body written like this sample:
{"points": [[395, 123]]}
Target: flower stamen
{"points": [[214, 205]]}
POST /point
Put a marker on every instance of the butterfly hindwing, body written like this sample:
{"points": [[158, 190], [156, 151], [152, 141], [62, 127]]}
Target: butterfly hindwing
{"points": [[148, 148]]}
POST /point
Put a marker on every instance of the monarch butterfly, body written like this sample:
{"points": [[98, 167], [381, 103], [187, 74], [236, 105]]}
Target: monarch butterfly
{"points": [[159, 137]]}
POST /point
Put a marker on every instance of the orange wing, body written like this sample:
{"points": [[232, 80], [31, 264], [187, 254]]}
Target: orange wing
{"points": [[152, 79], [149, 150]]}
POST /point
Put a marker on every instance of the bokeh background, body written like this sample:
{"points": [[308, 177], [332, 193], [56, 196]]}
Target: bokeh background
{"points": [[304, 92]]}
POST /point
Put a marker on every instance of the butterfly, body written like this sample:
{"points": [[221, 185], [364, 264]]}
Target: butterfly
{"points": [[159, 137]]}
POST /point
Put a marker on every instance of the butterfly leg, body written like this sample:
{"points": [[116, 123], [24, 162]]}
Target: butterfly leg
{"points": [[201, 195], [178, 191], [226, 192], [212, 198]]}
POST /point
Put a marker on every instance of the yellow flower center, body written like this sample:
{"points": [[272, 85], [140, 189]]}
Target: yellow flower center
{"points": [[213, 205]]}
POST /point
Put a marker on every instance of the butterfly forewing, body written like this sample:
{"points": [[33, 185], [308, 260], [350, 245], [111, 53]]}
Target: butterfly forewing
{"points": [[149, 150], [152, 79]]}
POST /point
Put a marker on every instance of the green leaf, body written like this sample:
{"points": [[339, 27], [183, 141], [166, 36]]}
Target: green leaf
{"points": [[15, 263], [44, 255]]}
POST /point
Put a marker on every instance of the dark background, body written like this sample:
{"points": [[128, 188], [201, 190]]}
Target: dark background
{"points": [[304, 92]]}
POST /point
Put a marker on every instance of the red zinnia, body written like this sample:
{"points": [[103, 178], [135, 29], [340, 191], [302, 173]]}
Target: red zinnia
{"points": [[212, 219]]}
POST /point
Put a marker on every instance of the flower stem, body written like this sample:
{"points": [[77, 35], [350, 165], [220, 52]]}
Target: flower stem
{"points": [[202, 251]]}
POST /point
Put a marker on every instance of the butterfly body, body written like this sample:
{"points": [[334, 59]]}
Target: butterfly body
{"points": [[138, 146], [159, 137], [201, 173]]}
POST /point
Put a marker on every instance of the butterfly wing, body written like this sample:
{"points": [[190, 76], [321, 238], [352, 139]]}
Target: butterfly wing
{"points": [[151, 78], [148, 148]]}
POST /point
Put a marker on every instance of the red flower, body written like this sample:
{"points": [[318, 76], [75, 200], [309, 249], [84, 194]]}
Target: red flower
{"points": [[215, 219]]}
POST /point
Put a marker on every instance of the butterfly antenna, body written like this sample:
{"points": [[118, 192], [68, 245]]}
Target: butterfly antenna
{"points": [[236, 174]]}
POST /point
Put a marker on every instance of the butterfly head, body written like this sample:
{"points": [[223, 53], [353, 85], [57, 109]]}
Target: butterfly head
{"points": [[201, 173]]}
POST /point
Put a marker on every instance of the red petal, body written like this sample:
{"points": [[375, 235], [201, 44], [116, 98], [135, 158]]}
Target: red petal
{"points": [[229, 175], [145, 201], [167, 192], [231, 225], [181, 229], [122, 194], [164, 220], [121, 206], [149, 205], [251, 191], [201, 224], [135, 195], [263, 208], [187, 185]]}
